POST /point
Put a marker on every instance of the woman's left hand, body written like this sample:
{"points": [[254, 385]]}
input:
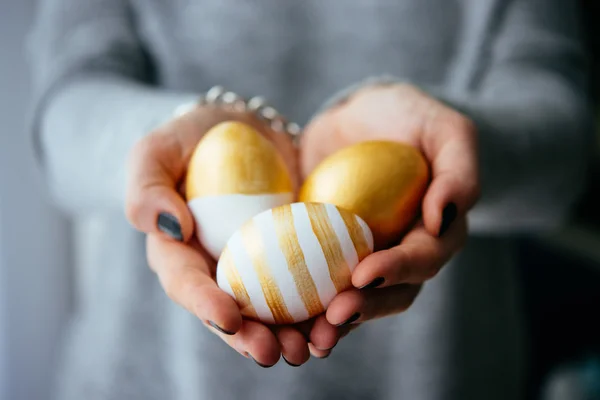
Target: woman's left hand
{"points": [[388, 281]]}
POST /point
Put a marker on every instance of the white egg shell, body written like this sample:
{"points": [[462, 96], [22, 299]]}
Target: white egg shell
{"points": [[285, 265], [233, 174], [218, 217]]}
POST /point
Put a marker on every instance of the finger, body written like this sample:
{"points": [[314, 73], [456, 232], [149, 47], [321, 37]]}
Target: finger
{"points": [[294, 348], [187, 279], [318, 353], [418, 258], [155, 167], [255, 341], [327, 348], [449, 142], [356, 306], [323, 335]]}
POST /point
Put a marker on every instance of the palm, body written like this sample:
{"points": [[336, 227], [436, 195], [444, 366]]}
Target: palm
{"points": [[399, 113], [447, 140]]}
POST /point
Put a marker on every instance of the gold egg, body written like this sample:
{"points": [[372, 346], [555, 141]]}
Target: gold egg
{"points": [[233, 174], [234, 158], [383, 182]]}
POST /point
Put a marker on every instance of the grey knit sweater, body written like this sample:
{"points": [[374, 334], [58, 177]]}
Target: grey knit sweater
{"points": [[107, 71]]}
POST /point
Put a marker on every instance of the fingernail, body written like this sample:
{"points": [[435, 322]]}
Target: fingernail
{"points": [[448, 216], [325, 356], [289, 363], [168, 224], [350, 320], [329, 349], [257, 363], [217, 327], [376, 282]]}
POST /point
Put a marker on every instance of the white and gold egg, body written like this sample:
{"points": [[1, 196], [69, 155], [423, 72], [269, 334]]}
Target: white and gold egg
{"points": [[285, 265], [234, 174]]}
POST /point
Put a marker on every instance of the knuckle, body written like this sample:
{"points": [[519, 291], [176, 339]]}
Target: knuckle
{"points": [[411, 295], [462, 124], [473, 190], [404, 264], [431, 269], [145, 146]]}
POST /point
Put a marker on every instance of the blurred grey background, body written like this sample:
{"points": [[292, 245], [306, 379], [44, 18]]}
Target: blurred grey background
{"points": [[35, 260], [33, 236]]}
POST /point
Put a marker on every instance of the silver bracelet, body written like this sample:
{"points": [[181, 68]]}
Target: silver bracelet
{"points": [[217, 96]]}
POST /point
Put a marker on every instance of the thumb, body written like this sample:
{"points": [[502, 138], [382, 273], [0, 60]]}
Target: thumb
{"points": [[320, 138], [153, 203]]}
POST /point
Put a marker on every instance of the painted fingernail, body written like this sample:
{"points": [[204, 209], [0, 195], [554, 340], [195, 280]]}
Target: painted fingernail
{"points": [[257, 363], [376, 282], [289, 363], [168, 224], [448, 216], [350, 320], [217, 327]]}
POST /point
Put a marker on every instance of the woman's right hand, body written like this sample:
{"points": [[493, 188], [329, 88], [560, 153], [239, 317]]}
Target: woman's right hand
{"points": [[155, 206]]}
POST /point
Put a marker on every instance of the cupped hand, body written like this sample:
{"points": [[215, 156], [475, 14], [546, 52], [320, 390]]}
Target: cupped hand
{"points": [[388, 281], [155, 206]]}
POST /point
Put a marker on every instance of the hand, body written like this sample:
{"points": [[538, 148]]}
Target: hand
{"points": [[388, 281], [156, 170]]}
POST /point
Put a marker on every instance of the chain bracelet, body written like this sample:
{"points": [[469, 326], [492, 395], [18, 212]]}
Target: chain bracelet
{"points": [[217, 96]]}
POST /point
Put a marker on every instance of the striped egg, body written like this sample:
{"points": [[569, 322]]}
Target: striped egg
{"points": [[286, 264], [234, 174]]}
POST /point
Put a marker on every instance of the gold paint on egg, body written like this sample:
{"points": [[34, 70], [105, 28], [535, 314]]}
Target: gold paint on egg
{"points": [[254, 246], [330, 244], [383, 182], [356, 235], [289, 245], [237, 285], [234, 158]]}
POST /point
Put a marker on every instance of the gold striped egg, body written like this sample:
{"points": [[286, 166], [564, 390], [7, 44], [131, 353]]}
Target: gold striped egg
{"points": [[286, 264], [233, 174]]}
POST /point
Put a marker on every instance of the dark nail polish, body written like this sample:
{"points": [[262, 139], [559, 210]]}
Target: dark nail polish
{"points": [[168, 224], [289, 363], [257, 363], [448, 216], [217, 327], [350, 320], [376, 282]]}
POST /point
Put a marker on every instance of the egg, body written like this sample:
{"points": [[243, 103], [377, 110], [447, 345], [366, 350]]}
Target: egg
{"points": [[234, 174], [286, 264], [383, 182]]}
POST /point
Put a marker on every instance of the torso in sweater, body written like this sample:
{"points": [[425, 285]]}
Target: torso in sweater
{"points": [[129, 341]]}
